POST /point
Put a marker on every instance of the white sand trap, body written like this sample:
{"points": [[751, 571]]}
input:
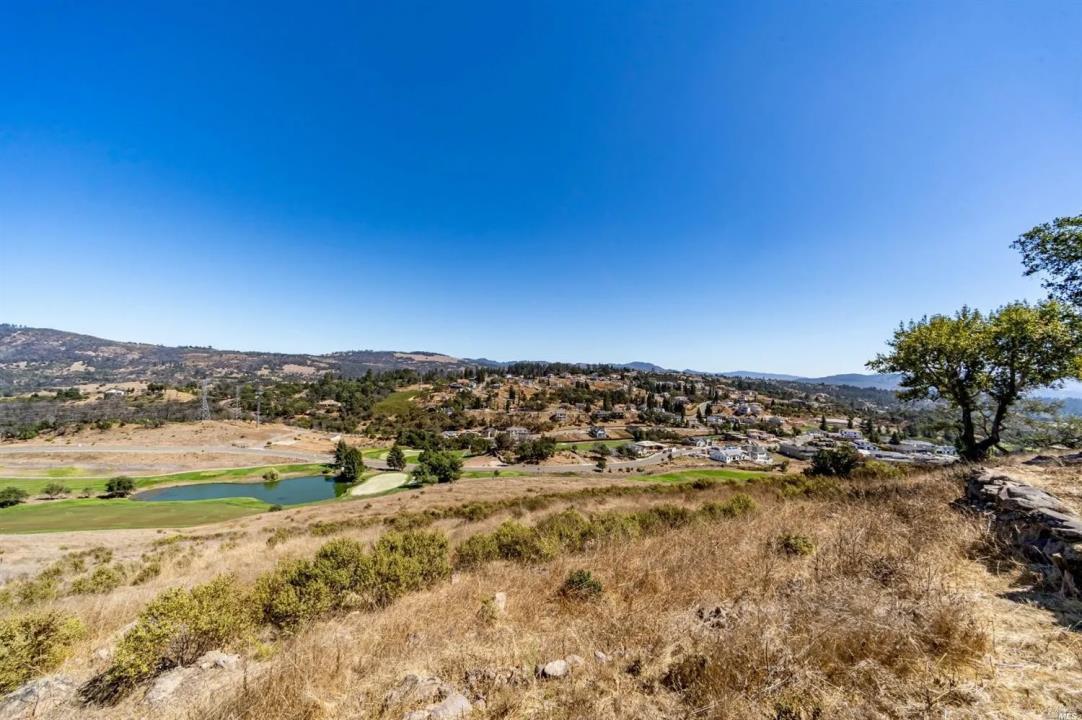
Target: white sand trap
{"points": [[380, 483]]}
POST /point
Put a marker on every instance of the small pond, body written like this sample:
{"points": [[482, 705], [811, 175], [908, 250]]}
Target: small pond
{"points": [[291, 491]]}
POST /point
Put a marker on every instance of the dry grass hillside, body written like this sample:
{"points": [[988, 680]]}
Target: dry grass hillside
{"points": [[786, 599]]}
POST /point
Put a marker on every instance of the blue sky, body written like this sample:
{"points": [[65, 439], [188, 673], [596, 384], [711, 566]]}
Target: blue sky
{"points": [[768, 186]]}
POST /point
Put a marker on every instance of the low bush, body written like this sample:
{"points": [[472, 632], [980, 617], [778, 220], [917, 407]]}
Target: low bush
{"points": [[104, 579], [737, 505], [342, 573], [12, 496], [174, 630], [34, 644], [476, 550], [55, 489], [271, 476], [790, 544], [121, 486], [581, 585]]}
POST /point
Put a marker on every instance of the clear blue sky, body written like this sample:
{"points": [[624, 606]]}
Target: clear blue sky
{"points": [[752, 185]]}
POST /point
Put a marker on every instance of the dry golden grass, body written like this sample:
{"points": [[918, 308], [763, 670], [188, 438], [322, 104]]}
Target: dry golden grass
{"points": [[898, 612], [708, 621]]}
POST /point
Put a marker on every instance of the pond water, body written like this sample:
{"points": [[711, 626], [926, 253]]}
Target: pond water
{"points": [[291, 491]]}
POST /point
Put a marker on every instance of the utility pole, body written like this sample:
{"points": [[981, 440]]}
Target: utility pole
{"points": [[204, 407]]}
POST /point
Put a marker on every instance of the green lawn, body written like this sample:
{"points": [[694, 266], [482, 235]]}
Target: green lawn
{"points": [[587, 446], [381, 454], [93, 514], [679, 476], [35, 486], [396, 403]]}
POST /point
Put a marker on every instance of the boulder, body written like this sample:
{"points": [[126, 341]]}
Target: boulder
{"points": [[499, 602], [36, 697], [553, 669], [168, 683], [451, 707], [1036, 522], [216, 659]]}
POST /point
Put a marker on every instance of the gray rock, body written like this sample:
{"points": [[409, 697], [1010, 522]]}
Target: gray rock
{"points": [[218, 659], [554, 669], [167, 684], [601, 657], [453, 706], [35, 697], [416, 689], [499, 601]]}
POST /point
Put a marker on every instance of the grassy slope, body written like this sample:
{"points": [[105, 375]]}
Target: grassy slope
{"points": [[94, 514], [97, 484]]}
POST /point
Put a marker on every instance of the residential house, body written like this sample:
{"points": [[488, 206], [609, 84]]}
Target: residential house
{"points": [[728, 454]]}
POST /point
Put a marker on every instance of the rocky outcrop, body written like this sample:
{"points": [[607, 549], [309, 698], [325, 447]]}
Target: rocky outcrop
{"points": [[36, 698], [1043, 529], [1056, 460]]}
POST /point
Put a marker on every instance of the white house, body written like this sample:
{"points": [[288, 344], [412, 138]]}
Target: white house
{"points": [[598, 433], [518, 433], [728, 454], [851, 434], [757, 454]]}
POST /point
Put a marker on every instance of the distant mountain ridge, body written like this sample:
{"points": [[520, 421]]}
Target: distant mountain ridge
{"points": [[33, 358]]}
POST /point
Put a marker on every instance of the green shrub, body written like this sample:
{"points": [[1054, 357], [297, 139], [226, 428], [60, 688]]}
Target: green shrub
{"points": [[791, 544], [476, 550], [663, 517], [342, 572], [55, 489], [271, 476], [33, 644], [104, 579], [515, 541], [581, 585], [120, 486], [12, 496], [292, 594], [613, 525], [406, 562], [275, 508], [150, 570], [877, 470], [737, 505], [174, 630], [840, 461], [568, 529]]}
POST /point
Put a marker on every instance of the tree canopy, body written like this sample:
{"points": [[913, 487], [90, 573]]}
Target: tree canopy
{"points": [[1055, 249], [983, 364]]}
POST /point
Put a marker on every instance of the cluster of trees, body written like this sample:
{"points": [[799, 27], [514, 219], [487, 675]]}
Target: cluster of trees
{"points": [[984, 364], [348, 462], [437, 466]]}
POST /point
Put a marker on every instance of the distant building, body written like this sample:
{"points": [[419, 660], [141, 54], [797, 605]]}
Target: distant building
{"points": [[646, 447], [757, 454], [728, 454], [851, 434], [598, 433]]}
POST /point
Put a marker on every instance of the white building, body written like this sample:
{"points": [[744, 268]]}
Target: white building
{"points": [[728, 454]]}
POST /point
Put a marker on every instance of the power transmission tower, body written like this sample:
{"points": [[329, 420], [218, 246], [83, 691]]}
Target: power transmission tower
{"points": [[204, 407]]}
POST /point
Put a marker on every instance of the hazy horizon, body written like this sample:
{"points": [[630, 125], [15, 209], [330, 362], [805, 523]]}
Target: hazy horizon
{"points": [[715, 186]]}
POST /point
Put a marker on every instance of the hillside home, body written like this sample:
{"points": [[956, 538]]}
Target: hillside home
{"points": [[598, 433], [646, 447], [728, 454]]}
